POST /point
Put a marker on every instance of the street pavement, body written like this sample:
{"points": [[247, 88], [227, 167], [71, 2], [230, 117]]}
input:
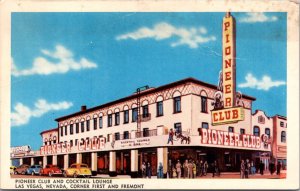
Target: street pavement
{"points": [[224, 175]]}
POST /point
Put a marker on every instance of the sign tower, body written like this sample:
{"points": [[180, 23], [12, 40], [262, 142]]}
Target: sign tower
{"points": [[226, 105]]}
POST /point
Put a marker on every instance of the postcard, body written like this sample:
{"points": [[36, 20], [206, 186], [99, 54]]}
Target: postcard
{"points": [[149, 95]]}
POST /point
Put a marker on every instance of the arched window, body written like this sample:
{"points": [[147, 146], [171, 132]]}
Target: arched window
{"points": [[283, 136], [268, 132], [256, 131], [203, 96]]}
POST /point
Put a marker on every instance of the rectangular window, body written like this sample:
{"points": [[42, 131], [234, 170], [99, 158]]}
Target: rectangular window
{"points": [[134, 114], [145, 111], [126, 134], [109, 120], [77, 127], [268, 132], [76, 142], [126, 116], [177, 104], [95, 123], [281, 124], [71, 129], [204, 125], [145, 132], [61, 131], [117, 118], [203, 104], [82, 126], [108, 139], [242, 131], [100, 122], [66, 130], [117, 136], [159, 109], [231, 129], [177, 127], [71, 143], [261, 119], [88, 125]]}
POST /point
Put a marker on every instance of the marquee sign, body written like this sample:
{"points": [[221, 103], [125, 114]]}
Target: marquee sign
{"points": [[216, 137], [226, 109], [83, 145]]}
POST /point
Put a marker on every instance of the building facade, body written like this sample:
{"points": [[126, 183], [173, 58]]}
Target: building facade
{"points": [[116, 137]]}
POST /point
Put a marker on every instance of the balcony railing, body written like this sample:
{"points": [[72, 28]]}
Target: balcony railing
{"points": [[144, 117], [146, 133]]}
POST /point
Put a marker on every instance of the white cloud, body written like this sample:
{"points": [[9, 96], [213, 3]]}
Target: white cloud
{"points": [[22, 113], [64, 63], [191, 37], [264, 84], [257, 17]]}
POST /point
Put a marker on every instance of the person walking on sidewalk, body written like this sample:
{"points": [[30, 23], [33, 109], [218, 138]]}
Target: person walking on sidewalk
{"points": [[190, 169], [148, 170], [185, 169], [178, 169], [261, 167], [242, 169], [144, 170], [205, 167], [278, 168]]}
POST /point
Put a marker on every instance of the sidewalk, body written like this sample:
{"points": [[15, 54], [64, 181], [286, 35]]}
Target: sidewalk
{"points": [[224, 175]]}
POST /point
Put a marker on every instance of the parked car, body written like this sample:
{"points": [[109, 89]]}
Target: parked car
{"points": [[21, 169], [34, 169], [78, 169], [51, 170], [12, 169]]}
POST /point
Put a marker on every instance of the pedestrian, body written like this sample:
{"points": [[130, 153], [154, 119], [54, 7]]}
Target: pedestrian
{"points": [[170, 170], [200, 168], [143, 170], [247, 167], [185, 169], [160, 171], [190, 169], [261, 167], [215, 169], [178, 169], [278, 168], [148, 170], [194, 169], [252, 167], [272, 167], [205, 167], [242, 169], [171, 134], [174, 172]]}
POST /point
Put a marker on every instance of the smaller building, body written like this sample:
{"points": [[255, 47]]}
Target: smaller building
{"points": [[279, 140]]}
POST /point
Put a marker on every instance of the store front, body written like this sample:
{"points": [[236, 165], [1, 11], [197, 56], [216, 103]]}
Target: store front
{"points": [[102, 162], [148, 156], [228, 160]]}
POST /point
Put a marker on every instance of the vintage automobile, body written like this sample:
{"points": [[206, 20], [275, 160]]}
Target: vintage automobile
{"points": [[78, 169], [34, 170], [51, 170], [21, 169], [12, 169]]}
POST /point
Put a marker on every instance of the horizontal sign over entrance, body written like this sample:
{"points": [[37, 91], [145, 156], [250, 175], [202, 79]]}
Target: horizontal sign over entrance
{"points": [[216, 137]]}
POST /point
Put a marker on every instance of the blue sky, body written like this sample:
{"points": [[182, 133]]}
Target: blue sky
{"points": [[64, 60]]}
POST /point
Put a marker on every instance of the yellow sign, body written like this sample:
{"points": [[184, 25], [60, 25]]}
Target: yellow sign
{"points": [[229, 61], [230, 115]]}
